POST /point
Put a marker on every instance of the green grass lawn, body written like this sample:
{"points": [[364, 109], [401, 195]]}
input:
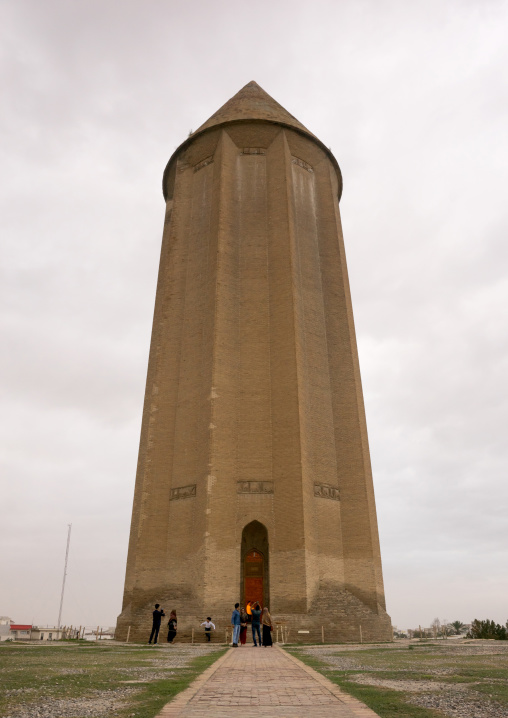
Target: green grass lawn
{"points": [[485, 676], [72, 677]]}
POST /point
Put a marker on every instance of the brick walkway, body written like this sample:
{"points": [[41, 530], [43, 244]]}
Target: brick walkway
{"points": [[253, 682]]}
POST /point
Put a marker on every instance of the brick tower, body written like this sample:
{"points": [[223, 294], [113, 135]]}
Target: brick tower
{"points": [[254, 478]]}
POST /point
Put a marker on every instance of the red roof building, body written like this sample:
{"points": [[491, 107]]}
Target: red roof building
{"points": [[20, 631]]}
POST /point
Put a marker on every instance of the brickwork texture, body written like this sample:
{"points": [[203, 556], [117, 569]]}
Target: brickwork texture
{"points": [[254, 433]]}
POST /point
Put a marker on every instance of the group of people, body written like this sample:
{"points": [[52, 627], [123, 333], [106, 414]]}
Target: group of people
{"points": [[157, 616], [156, 624], [240, 619], [258, 619]]}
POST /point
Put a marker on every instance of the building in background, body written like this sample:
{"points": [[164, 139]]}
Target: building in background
{"points": [[49, 633], [20, 631], [254, 480], [5, 627]]}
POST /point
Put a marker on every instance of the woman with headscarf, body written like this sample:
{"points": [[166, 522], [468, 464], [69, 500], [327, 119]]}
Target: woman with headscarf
{"points": [[172, 626], [266, 620], [243, 626]]}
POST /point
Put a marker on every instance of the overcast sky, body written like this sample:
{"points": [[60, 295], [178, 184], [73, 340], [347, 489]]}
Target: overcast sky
{"points": [[412, 97]]}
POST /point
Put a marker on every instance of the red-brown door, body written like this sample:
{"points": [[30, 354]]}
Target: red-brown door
{"points": [[253, 578]]}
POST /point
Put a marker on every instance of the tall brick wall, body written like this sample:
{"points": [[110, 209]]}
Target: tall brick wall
{"points": [[253, 407]]}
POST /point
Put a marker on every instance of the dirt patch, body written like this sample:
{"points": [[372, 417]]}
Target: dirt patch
{"points": [[99, 704], [407, 686], [461, 705]]}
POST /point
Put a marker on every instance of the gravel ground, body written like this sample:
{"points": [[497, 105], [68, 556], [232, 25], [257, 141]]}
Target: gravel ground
{"points": [[439, 661], [461, 705], [28, 701], [166, 658], [97, 704], [407, 686]]}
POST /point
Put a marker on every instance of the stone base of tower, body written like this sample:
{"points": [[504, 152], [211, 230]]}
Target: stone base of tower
{"points": [[335, 617]]}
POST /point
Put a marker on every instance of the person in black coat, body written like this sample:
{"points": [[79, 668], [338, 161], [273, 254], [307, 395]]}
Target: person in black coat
{"points": [[156, 623], [172, 627]]}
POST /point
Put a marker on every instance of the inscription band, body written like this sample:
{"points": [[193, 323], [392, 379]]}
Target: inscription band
{"points": [[326, 491], [183, 492], [255, 487]]}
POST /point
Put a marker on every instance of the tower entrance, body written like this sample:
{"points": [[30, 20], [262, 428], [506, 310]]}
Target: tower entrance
{"points": [[255, 586], [253, 578]]}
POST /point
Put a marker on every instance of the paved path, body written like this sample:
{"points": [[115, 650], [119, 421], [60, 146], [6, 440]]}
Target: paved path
{"points": [[253, 682]]}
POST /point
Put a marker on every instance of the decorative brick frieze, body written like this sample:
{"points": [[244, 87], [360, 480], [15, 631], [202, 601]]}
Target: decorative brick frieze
{"points": [[203, 163], [302, 164], [253, 151], [183, 492], [255, 487], [325, 491]]}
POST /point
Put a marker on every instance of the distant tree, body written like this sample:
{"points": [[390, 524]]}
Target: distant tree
{"points": [[436, 627], [457, 626], [488, 629]]}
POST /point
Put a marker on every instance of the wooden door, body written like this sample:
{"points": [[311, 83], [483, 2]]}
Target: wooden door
{"points": [[253, 578]]}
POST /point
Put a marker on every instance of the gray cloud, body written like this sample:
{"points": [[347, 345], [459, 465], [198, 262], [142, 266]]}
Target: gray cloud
{"points": [[413, 100]]}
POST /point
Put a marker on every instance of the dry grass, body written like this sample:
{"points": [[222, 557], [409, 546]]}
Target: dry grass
{"points": [[85, 680], [456, 679]]}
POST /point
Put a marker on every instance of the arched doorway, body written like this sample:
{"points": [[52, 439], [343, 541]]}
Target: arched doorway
{"points": [[253, 578], [255, 584]]}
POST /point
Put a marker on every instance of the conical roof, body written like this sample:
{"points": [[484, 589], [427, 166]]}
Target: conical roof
{"points": [[252, 103]]}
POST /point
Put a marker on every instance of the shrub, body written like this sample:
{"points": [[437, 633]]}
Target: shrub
{"points": [[487, 629]]}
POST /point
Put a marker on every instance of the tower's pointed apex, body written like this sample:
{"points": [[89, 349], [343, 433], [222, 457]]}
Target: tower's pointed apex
{"points": [[252, 103]]}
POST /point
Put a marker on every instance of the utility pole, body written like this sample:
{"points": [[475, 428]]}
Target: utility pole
{"points": [[65, 574]]}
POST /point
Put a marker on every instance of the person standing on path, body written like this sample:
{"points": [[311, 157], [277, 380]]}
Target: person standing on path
{"points": [[156, 623], [267, 628], [256, 618], [208, 628], [243, 627], [236, 622], [172, 627]]}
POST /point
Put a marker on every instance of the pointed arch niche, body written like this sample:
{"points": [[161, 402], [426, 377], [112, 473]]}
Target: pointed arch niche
{"points": [[255, 574]]}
